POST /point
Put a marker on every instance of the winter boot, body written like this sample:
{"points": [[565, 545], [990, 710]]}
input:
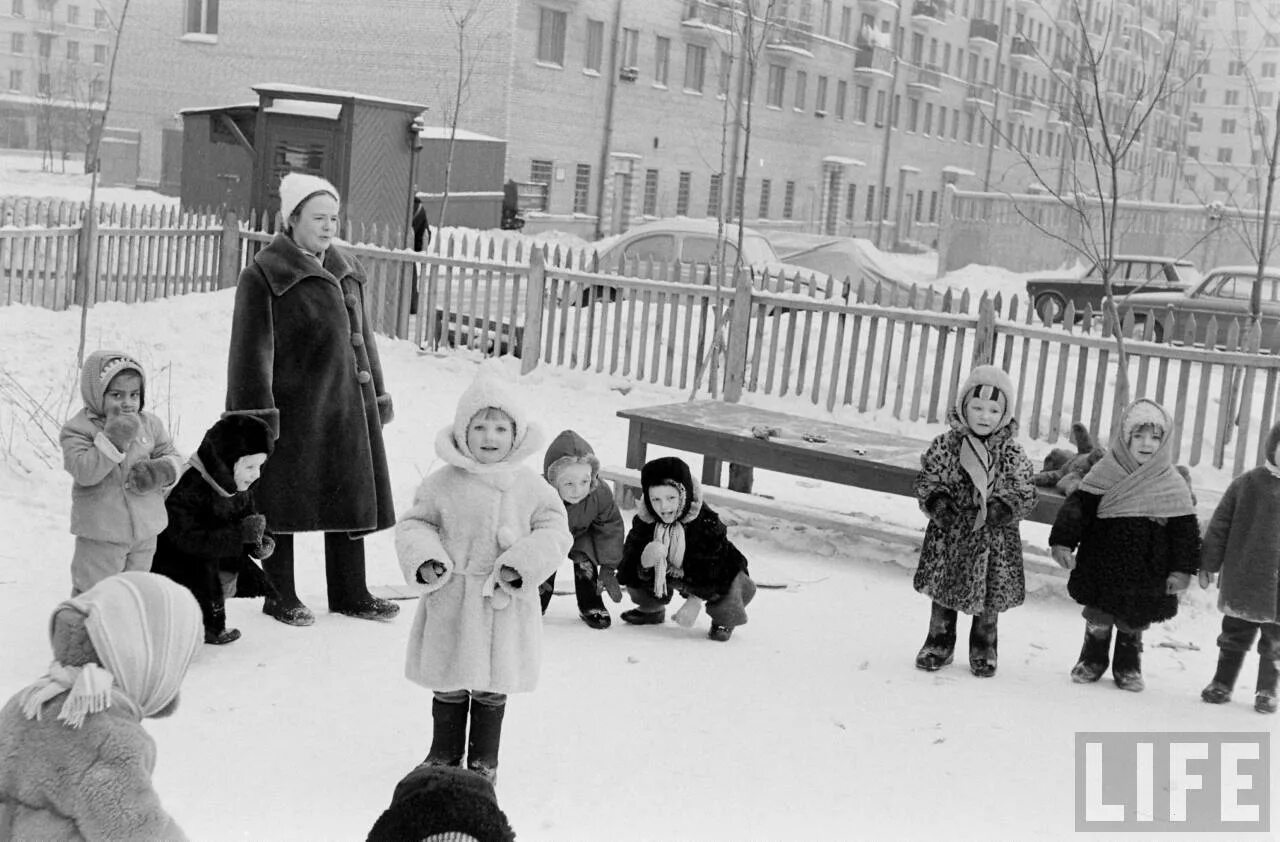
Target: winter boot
{"points": [[284, 604], [546, 590], [982, 645], [219, 638], [1224, 680], [1095, 655], [1126, 665], [636, 617], [720, 633], [940, 645], [1265, 701], [448, 732], [345, 574], [486, 735]]}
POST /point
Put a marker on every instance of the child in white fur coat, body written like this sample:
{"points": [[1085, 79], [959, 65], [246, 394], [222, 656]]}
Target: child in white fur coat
{"points": [[483, 531]]}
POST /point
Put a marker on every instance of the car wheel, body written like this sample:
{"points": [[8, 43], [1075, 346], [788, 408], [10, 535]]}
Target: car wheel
{"points": [[1049, 307]]}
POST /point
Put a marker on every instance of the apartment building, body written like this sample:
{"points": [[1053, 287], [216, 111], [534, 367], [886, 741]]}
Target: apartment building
{"points": [[54, 57], [862, 111], [1233, 112]]}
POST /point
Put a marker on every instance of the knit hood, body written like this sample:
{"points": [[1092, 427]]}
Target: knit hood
{"points": [[566, 449], [228, 440], [297, 187], [988, 381], [491, 388], [670, 470], [443, 804], [99, 367]]}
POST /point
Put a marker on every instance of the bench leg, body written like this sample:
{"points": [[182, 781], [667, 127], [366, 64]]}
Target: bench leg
{"points": [[741, 477], [710, 470], [637, 449]]}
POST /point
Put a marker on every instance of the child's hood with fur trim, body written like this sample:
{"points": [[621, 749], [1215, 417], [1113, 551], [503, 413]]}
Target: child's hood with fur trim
{"points": [[490, 389], [96, 373], [568, 448]]}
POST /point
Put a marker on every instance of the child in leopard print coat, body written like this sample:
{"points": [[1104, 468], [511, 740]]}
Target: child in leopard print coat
{"points": [[975, 485]]}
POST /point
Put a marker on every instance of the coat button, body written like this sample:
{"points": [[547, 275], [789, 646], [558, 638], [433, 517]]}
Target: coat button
{"points": [[351, 301], [357, 341], [364, 377]]}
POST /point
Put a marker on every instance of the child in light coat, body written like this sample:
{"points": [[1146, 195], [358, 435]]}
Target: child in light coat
{"points": [[975, 485], [1242, 547], [75, 761], [121, 460], [483, 532], [1134, 521], [216, 536], [571, 466]]}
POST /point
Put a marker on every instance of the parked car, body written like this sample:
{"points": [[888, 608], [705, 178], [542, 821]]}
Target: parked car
{"points": [[849, 258], [1132, 273], [1223, 294]]}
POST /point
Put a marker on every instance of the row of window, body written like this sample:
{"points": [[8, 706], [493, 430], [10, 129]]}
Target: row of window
{"points": [[44, 85], [1224, 155], [18, 10], [44, 48]]}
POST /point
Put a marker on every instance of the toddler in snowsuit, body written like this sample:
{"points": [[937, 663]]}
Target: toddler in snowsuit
{"points": [[483, 531], [215, 531], [120, 459], [1242, 545], [1135, 524], [975, 485], [677, 543], [573, 470], [75, 761]]}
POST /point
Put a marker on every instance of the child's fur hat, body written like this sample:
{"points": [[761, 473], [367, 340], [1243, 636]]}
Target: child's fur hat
{"points": [[96, 374], [493, 388], [229, 439], [444, 803], [671, 470]]}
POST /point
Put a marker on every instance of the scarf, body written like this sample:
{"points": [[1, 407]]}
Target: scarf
{"points": [[988, 382], [1154, 489], [194, 462], [977, 462], [89, 689], [670, 536]]}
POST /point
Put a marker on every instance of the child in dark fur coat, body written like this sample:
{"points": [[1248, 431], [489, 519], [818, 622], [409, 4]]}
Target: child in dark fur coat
{"points": [[216, 535], [1242, 545], [572, 468], [677, 543]]}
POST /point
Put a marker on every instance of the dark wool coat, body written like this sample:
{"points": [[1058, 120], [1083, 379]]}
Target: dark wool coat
{"points": [[974, 571], [303, 358], [1242, 542], [1122, 562], [711, 561], [595, 521]]}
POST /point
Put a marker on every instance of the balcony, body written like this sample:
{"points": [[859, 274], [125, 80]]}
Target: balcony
{"points": [[47, 26], [871, 7], [983, 33], [979, 93], [708, 14], [1060, 115], [873, 61], [1020, 106], [1022, 51], [925, 12], [925, 79], [791, 36]]}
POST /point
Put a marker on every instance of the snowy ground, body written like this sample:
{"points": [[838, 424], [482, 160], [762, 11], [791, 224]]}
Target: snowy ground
{"points": [[811, 723], [22, 173]]}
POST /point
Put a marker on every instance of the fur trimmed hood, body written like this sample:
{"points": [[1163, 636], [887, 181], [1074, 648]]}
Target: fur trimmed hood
{"points": [[670, 470], [96, 373], [491, 388], [566, 449]]}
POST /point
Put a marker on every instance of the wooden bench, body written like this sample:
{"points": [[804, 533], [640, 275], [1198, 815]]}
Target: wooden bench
{"points": [[722, 432]]}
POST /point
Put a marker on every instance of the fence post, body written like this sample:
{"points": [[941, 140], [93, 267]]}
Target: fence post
{"points": [[735, 364], [945, 227], [229, 252], [531, 342], [984, 333], [87, 264]]}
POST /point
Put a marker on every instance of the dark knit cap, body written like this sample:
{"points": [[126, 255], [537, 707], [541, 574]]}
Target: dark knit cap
{"points": [[229, 439], [667, 470], [442, 804]]}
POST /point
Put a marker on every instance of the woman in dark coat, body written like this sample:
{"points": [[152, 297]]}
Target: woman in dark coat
{"points": [[303, 358]]}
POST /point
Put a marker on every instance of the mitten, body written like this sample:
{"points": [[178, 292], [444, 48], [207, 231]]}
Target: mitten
{"points": [[121, 429], [510, 576], [999, 513], [942, 509], [1177, 582], [1063, 556], [265, 548], [652, 554], [430, 571], [252, 529], [150, 474], [608, 581], [1206, 578], [688, 612]]}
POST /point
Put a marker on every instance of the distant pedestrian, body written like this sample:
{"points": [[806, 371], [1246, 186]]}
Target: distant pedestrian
{"points": [[975, 486], [1133, 520]]}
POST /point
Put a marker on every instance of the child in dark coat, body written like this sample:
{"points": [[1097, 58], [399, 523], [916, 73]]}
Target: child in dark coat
{"points": [[1134, 522], [1242, 545], [677, 543], [215, 533], [975, 485], [572, 468]]}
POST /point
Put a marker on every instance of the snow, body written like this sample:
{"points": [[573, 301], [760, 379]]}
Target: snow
{"points": [[21, 175], [811, 723]]}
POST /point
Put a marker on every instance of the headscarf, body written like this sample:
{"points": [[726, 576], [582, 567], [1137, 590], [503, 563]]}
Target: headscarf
{"points": [[1154, 489], [989, 383], [144, 628]]}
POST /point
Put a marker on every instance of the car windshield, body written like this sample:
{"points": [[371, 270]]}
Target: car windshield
{"points": [[698, 248]]}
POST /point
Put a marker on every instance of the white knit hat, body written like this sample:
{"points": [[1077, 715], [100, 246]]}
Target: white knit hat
{"points": [[1143, 413], [297, 187]]}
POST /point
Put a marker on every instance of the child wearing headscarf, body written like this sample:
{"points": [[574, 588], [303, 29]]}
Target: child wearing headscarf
{"points": [[1242, 550], [483, 532], [216, 535], [975, 485], [121, 460], [677, 544], [75, 761], [1134, 523]]}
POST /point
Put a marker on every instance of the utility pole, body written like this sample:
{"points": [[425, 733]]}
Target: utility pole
{"points": [[888, 122], [730, 201], [608, 118], [995, 98]]}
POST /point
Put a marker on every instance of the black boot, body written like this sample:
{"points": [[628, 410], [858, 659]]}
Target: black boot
{"points": [[1265, 701], [940, 646], [448, 732], [216, 631], [1095, 655], [486, 735], [982, 645], [284, 604], [546, 590], [1224, 680], [1126, 665], [344, 573]]}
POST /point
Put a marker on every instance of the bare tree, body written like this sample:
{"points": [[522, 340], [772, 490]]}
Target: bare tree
{"points": [[467, 19]]}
